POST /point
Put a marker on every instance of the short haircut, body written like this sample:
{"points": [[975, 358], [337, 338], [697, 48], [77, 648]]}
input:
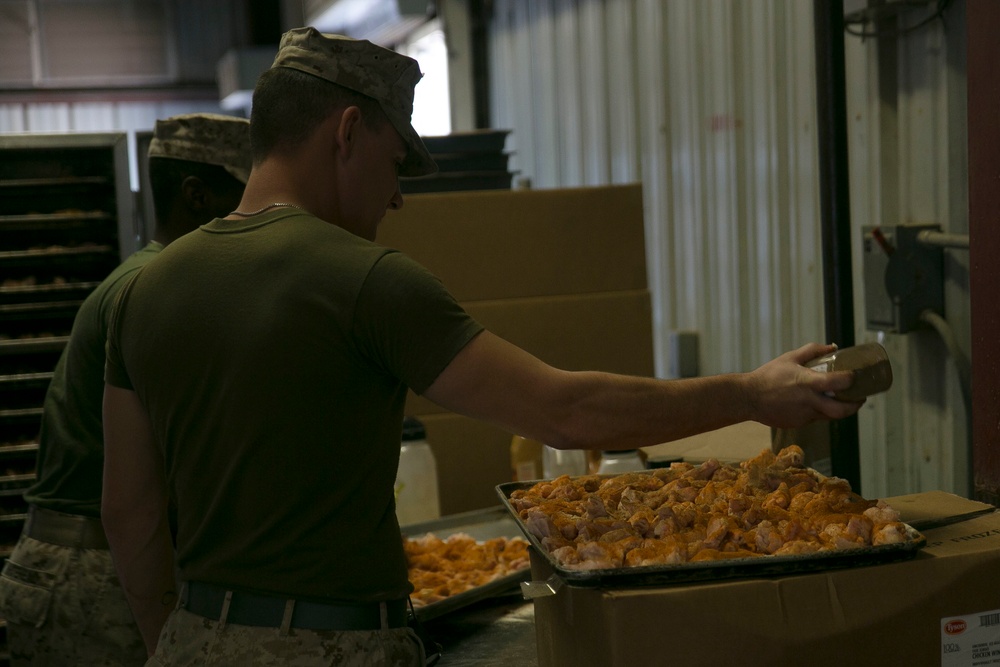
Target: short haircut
{"points": [[167, 174], [288, 106]]}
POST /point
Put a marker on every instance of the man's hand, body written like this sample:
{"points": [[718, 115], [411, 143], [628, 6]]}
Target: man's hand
{"points": [[785, 394]]}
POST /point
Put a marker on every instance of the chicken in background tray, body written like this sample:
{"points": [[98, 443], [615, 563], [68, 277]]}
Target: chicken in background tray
{"points": [[768, 505], [439, 569]]}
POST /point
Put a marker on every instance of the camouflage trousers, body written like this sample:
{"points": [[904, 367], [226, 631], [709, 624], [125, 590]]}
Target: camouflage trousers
{"points": [[189, 639], [64, 606]]}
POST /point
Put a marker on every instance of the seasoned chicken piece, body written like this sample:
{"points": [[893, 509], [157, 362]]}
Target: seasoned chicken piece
{"points": [[667, 551], [791, 456], [704, 471], [599, 556], [780, 497], [716, 532], [643, 521], [890, 533], [799, 547], [714, 554], [707, 494], [881, 513], [766, 537]]}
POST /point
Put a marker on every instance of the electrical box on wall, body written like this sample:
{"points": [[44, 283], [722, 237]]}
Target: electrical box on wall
{"points": [[903, 277], [861, 11]]}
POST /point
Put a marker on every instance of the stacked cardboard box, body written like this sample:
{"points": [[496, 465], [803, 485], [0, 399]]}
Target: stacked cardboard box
{"points": [[560, 273], [940, 607]]}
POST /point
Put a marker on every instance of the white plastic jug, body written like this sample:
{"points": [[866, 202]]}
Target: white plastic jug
{"points": [[416, 478], [623, 460]]}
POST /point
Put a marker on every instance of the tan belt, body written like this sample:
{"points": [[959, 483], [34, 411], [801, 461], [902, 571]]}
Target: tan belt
{"points": [[68, 530]]}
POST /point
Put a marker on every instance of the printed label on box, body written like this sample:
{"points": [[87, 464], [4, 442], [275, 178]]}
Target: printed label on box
{"points": [[971, 641]]}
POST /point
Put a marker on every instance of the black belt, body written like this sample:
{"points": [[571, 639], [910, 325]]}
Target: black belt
{"points": [[68, 530], [243, 608]]}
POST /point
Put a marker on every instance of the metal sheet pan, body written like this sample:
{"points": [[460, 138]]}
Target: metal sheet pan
{"points": [[732, 568], [481, 525]]}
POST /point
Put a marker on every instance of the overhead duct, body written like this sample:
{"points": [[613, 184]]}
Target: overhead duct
{"points": [[384, 22]]}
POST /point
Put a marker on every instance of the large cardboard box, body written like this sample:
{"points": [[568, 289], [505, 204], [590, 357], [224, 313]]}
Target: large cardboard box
{"points": [[941, 607], [504, 244], [559, 273]]}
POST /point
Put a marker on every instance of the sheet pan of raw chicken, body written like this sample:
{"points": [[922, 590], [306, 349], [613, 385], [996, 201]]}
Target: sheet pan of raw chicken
{"points": [[769, 515]]}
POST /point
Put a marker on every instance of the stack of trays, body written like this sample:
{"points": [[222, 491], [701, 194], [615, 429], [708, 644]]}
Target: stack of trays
{"points": [[466, 161]]}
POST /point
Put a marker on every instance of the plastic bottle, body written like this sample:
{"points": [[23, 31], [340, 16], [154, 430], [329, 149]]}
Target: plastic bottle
{"points": [[556, 462], [623, 460], [525, 459], [870, 364], [416, 478]]}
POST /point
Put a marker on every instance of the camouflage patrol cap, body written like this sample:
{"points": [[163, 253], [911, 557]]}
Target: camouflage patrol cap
{"points": [[379, 73], [205, 137]]}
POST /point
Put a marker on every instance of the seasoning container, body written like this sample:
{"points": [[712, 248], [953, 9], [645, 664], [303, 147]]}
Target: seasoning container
{"points": [[622, 460], [556, 462], [525, 459], [416, 478], [869, 363]]}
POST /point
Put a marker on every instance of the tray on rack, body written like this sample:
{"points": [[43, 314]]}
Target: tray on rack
{"points": [[481, 525]]}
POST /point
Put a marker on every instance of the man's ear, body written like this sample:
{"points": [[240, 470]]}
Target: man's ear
{"points": [[347, 130], [194, 193]]}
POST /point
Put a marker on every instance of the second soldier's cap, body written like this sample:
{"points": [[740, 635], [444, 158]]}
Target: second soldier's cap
{"points": [[376, 72], [205, 137]]}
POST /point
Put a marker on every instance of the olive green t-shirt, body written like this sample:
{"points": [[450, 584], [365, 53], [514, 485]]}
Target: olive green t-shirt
{"points": [[71, 439], [273, 356]]}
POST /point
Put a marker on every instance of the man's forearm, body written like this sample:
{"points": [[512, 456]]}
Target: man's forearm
{"points": [[145, 566]]}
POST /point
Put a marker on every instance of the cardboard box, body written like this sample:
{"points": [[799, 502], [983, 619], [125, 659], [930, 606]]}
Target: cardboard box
{"points": [[731, 444], [503, 244], [606, 331], [941, 607]]}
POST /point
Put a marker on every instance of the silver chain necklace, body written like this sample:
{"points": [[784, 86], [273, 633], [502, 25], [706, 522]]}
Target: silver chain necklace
{"points": [[276, 204]]}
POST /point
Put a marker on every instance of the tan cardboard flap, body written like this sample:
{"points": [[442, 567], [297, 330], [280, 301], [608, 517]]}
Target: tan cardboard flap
{"points": [[517, 243], [934, 505]]}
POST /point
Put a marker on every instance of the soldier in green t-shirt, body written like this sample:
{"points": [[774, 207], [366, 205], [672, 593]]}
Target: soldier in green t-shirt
{"points": [[257, 374], [59, 592]]}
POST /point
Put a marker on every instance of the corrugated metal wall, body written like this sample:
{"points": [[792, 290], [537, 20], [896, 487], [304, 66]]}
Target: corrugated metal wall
{"points": [[711, 105], [909, 164]]}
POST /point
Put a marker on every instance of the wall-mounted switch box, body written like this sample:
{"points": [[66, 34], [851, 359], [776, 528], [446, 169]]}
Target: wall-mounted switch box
{"points": [[682, 354], [902, 277]]}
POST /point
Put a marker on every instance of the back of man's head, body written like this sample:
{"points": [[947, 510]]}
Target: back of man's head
{"points": [[212, 148], [314, 75]]}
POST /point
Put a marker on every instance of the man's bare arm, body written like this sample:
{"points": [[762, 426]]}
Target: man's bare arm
{"points": [[134, 512], [493, 380]]}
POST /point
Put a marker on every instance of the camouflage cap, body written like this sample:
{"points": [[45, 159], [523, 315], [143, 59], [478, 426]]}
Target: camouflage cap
{"points": [[205, 137], [382, 74]]}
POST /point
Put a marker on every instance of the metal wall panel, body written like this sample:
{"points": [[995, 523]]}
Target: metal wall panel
{"points": [[908, 148], [711, 104]]}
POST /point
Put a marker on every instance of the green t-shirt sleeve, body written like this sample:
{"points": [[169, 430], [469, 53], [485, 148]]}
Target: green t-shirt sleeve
{"points": [[114, 365], [407, 323]]}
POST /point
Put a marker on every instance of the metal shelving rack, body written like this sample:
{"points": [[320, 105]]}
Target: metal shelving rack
{"points": [[66, 220]]}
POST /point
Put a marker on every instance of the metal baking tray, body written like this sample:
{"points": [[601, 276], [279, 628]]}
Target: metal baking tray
{"points": [[481, 525], [730, 568]]}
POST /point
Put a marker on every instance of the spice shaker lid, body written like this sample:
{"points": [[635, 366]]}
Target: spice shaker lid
{"points": [[869, 362]]}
